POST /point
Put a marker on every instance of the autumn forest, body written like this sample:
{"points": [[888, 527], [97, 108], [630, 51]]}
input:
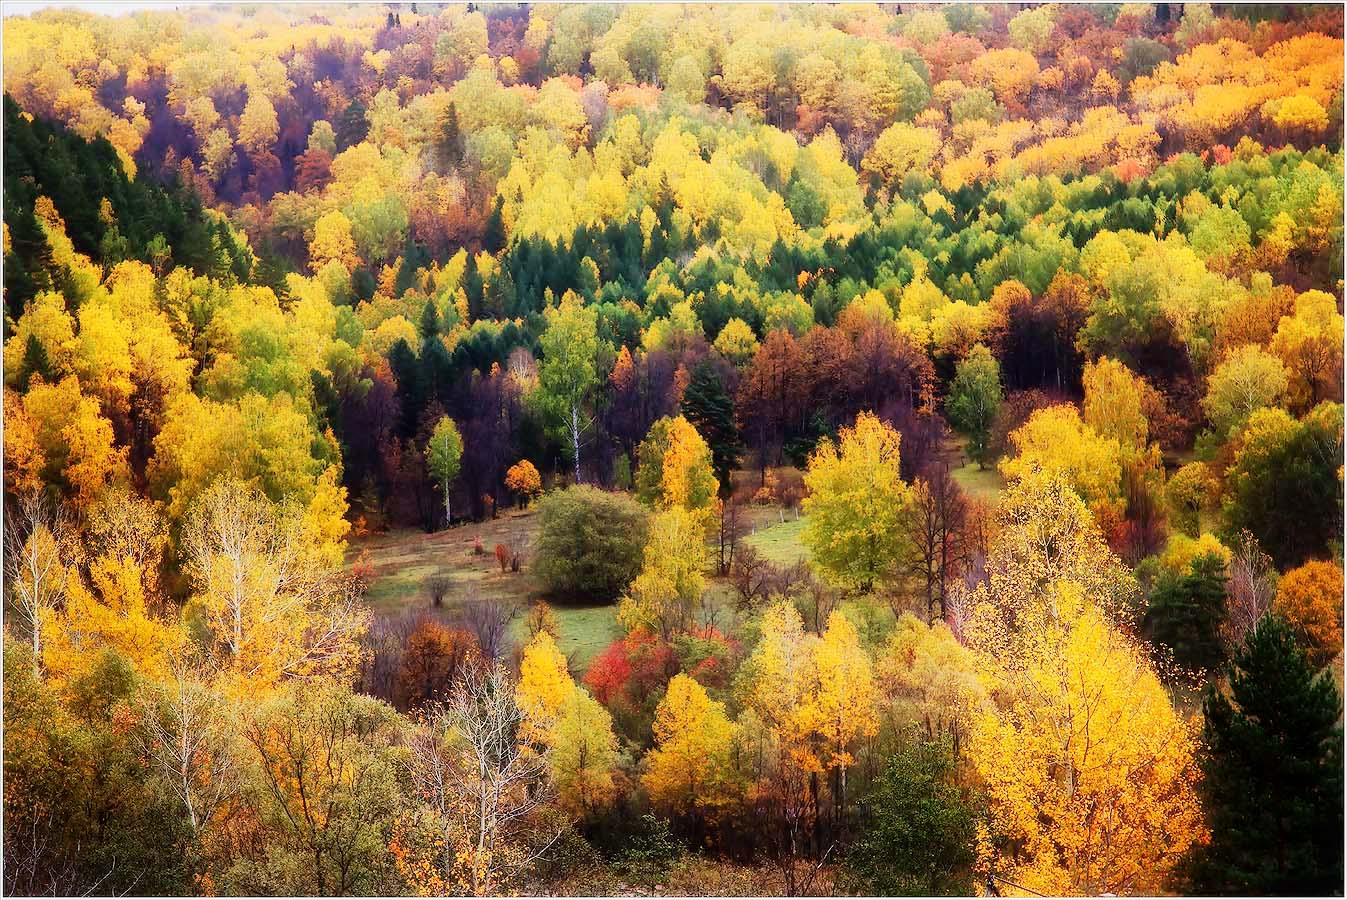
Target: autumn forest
{"points": [[589, 449]]}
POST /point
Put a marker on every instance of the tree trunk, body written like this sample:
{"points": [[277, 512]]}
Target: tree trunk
{"points": [[575, 438]]}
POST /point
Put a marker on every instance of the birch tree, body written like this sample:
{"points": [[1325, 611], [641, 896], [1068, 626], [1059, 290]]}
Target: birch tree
{"points": [[444, 454], [568, 374], [36, 541], [486, 784]]}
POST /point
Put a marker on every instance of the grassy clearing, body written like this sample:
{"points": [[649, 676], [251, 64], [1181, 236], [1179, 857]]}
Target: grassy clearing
{"points": [[981, 484], [778, 541], [403, 560], [585, 631]]}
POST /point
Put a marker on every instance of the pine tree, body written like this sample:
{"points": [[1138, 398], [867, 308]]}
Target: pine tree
{"points": [[493, 233], [474, 289], [430, 320], [414, 258], [1273, 774], [352, 126], [35, 362], [499, 296], [450, 144], [411, 391], [709, 407], [1186, 613]]}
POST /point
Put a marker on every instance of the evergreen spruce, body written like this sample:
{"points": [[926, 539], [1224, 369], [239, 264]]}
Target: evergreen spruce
{"points": [[351, 126], [709, 407], [493, 233], [450, 143], [430, 320], [1186, 612], [1272, 774]]}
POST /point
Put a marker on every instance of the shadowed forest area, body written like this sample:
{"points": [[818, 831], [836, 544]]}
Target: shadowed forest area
{"points": [[489, 449]]}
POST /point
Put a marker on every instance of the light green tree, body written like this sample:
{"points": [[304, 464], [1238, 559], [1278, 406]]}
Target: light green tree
{"points": [[568, 375], [444, 453], [974, 398]]}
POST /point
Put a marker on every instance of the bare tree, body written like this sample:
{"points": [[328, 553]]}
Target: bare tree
{"points": [[438, 586], [1249, 592], [817, 598], [488, 786], [37, 862], [786, 816], [385, 643], [185, 735], [37, 546], [729, 533], [933, 524], [488, 619], [753, 578]]}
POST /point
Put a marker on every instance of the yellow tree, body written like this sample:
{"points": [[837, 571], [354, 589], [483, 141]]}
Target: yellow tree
{"points": [[1309, 344], [737, 342], [115, 598], [1310, 597], [689, 771], [113, 609], [266, 593], [1248, 379], [38, 541], [675, 469], [1089, 771], [332, 242], [1044, 534], [544, 684], [1055, 440], [856, 495], [666, 594], [574, 727], [1189, 491], [899, 149], [808, 700], [1115, 403], [930, 681], [75, 441], [584, 757], [258, 126], [840, 708], [24, 458]]}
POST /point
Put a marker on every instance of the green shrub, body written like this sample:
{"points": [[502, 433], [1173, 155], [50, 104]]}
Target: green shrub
{"points": [[589, 545]]}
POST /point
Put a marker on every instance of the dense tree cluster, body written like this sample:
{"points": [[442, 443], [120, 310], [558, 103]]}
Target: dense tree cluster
{"points": [[282, 276]]}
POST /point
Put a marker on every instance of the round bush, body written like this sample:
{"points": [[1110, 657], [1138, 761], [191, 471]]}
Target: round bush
{"points": [[590, 544]]}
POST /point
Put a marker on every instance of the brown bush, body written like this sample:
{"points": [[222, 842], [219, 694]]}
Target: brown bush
{"points": [[434, 656]]}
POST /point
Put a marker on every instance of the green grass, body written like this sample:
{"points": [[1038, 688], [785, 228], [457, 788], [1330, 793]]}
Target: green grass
{"points": [[981, 484], [779, 542], [402, 561], [585, 632]]}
